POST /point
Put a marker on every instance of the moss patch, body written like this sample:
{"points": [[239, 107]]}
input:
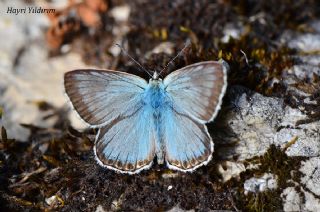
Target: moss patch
{"points": [[276, 162]]}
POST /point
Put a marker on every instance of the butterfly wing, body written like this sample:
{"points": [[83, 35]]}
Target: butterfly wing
{"points": [[196, 93], [127, 144], [198, 89], [187, 143], [113, 102], [101, 96]]}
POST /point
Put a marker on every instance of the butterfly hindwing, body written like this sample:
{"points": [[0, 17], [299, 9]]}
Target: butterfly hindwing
{"points": [[187, 142], [198, 89], [100, 96], [127, 144]]}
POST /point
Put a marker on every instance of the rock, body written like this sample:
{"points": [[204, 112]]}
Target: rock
{"points": [[291, 199], [19, 95], [232, 31], [303, 86], [296, 201], [251, 122], [120, 13], [54, 201], [230, 170], [301, 41], [169, 175], [305, 196], [311, 60], [163, 47], [116, 204], [315, 25], [178, 209], [100, 209], [256, 122], [260, 184], [301, 80], [312, 203], [28, 74], [307, 42], [311, 171]]}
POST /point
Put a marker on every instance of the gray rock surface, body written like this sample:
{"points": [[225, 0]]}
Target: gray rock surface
{"points": [[311, 175], [256, 122], [292, 201], [260, 184], [27, 74]]}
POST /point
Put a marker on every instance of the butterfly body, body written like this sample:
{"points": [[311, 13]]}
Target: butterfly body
{"points": [[155, 95], [138, 120]]}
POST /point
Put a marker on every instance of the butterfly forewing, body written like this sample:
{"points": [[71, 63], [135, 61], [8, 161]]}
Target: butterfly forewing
{"points": [[198, 89], [99, 96], [127, 145]]}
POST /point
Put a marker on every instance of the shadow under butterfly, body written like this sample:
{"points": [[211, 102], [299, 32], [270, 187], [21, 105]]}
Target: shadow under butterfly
{"points": [[138, 120]]}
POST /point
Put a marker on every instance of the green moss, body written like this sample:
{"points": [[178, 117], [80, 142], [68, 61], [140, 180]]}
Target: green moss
{"points": [[274, 161], [263, 66]]}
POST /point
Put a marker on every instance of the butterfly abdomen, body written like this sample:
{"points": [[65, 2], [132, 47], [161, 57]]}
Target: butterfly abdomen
{"points": [[157, 100]]}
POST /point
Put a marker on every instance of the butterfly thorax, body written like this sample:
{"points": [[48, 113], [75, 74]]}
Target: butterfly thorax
{"points": [[157, 101], [155, 94]]}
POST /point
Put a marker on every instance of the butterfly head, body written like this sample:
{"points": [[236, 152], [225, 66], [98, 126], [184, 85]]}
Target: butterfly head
{"points": [[155, 81], [155, 76]]}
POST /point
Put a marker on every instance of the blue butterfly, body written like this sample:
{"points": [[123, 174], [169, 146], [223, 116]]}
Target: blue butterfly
{"points": [[138, 120]]}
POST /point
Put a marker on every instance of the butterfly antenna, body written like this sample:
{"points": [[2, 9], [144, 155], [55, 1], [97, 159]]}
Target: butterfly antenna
{"points": [[126, 53], [182, 50], [245, 56]]}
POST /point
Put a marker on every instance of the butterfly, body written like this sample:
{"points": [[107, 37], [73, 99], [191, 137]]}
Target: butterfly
{"points": [[140, 120]]}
